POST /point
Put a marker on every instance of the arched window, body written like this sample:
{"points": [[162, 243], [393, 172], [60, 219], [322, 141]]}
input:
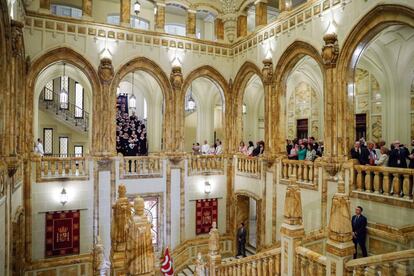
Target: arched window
{"points": [[64, 94]]}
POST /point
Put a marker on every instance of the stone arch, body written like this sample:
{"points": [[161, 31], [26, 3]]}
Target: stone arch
{"points": [[245, 73], [69, 56], [374, 22], [153, 69], [213, 75], [290, 57]]}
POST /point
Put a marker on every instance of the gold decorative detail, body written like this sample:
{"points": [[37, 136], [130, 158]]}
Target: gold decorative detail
{"points": [[330, 50]]}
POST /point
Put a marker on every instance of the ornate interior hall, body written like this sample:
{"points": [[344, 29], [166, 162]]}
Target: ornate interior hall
{"points": [[209, 138]]}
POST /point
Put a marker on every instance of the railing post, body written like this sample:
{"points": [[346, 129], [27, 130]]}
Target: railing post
{"points": [[377, 186], [368, 181], [407, 187], [386, 183], [396, 185], [359, 179]]}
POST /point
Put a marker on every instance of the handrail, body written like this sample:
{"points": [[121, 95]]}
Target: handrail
{"points": [[69, 113], [55, 168], [200, 164], [140, 166], [310, 261], [248, 165], [305, 172], [381, 259]]}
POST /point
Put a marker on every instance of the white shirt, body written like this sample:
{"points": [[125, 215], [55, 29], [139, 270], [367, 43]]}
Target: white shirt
{"points": [[219, 149], [205, 148], [39, 149]]}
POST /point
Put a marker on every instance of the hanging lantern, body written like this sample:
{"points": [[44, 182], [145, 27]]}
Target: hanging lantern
{"points": [[63, 197], [132, 99], [137, 7]]}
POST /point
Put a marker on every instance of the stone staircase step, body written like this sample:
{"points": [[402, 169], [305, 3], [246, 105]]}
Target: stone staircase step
{"points": [[192, 267], [188, 272]]}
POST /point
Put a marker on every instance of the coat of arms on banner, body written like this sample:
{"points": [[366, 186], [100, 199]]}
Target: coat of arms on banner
{"points": [[206, 213]]}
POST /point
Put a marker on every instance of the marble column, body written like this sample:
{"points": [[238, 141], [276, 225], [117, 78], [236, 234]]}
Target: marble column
{"points": [[241, 25], [339, 247], [160, 17], [44, 6], [261, 13], [292, 230], [282, 5], [219, 29], [267, 72], [177, 117], [191, 23], [125, 13], [87, 9]]}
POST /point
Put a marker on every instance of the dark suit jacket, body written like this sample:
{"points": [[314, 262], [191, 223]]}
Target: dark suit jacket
{"points": [[359, 227], [241, 234], [400, 155], [411, 166], [362, 155]]}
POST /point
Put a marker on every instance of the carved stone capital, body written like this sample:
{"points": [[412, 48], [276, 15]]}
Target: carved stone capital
{"points": [[176, 78], [330, 50], [267, 71], [106, 71], [104, 164], [17, 38]]}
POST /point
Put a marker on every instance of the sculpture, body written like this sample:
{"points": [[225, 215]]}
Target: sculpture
{"points": [[121, 215], [139, 250], [98, 257], [214, 256], [200, 266]]}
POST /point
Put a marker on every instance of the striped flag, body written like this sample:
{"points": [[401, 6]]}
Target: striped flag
{"points": [[167, 264]]}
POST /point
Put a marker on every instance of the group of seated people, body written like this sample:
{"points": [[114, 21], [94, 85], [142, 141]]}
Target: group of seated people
{"points": [[206, 149], [131, 134], [377, 154], [250, 149], [304, 149]]}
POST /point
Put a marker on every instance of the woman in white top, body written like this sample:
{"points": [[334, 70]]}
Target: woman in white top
{"points": [[383, 160], [250, 148], [310, 153], [39, 147], [219, 148]]}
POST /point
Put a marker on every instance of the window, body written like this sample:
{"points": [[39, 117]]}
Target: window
{"points": [[48, 140], [78, 151], [145, 109], [63, 146], [48, 91], [78, 101], [175, 29], [113, 19], [151, 205], [64, 92], [136, 22], [62, 10]]}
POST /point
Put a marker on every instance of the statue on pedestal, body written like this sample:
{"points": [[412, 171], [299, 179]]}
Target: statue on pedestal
{"points": [[200, 269], [121, 215], [214, 245], [139, 250]]}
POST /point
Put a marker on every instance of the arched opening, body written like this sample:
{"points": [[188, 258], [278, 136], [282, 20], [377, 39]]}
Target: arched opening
{"points": [[139, 114], [62, 110], [253, 111], [382, 90], [204, 113]]}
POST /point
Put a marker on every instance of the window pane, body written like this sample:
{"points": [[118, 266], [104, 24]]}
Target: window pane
{"points": [[113, 19], [63, 146], [175, 29], [78, 151], [48, 140], [64, 92], [48, 95], [62, 10], [78, 101]]}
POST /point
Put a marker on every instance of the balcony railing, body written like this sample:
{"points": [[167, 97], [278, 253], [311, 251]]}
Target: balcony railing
{"points": [[57, 168], [265, 264], [389, 264], [205, 164], [309, 262], [384, 183], [305, 172], [248, 166], [140, 167]]}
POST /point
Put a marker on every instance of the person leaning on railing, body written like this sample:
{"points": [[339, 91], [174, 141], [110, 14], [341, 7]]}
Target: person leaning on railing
{"points": [[383, 159]]}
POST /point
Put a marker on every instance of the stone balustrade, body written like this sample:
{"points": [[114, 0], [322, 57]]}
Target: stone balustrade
{"points": [[384, 183], [263, 264], [140, 167], [395, 263], [202, 164], [305, 172], [309, 262], [58, 168], [248, 166]]}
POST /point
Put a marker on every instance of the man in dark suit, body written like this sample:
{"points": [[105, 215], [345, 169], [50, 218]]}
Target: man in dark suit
{"points": [[359, 231], [411, 156], [241, 241], [398, 156]]}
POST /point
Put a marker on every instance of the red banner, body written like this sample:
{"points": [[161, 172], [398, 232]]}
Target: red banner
{"points": [[62, 233], [206, 213]]}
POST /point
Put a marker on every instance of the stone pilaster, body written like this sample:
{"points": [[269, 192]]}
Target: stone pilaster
{"points": [[219, 29], [292, 230], [125, 13], [339, 247], [44, 6], [87, 9], [160, 17], [241, 25], [177, 120], [282, 5], [261, 13], [104, 124], [267, 72], [191, 23]]}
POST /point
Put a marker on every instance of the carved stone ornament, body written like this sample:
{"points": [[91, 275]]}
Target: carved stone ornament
{"points": [[98, 256], [340, 228], [267, 71], [330, 50], [106, 71], [293, 204], [176, 77], [121, 215], [17, 37]]}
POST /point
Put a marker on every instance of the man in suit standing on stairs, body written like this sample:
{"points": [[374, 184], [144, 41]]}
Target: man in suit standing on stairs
{"points": [[359, 231], [241, 240]]}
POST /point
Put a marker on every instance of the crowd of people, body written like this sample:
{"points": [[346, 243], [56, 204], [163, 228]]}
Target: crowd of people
{"points": [[206, 149], [304, 149], [131, 134], [250, 149], [378, 154]]}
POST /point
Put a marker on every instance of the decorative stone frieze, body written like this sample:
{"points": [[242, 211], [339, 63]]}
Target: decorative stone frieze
{"points": [[330, 51]]}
